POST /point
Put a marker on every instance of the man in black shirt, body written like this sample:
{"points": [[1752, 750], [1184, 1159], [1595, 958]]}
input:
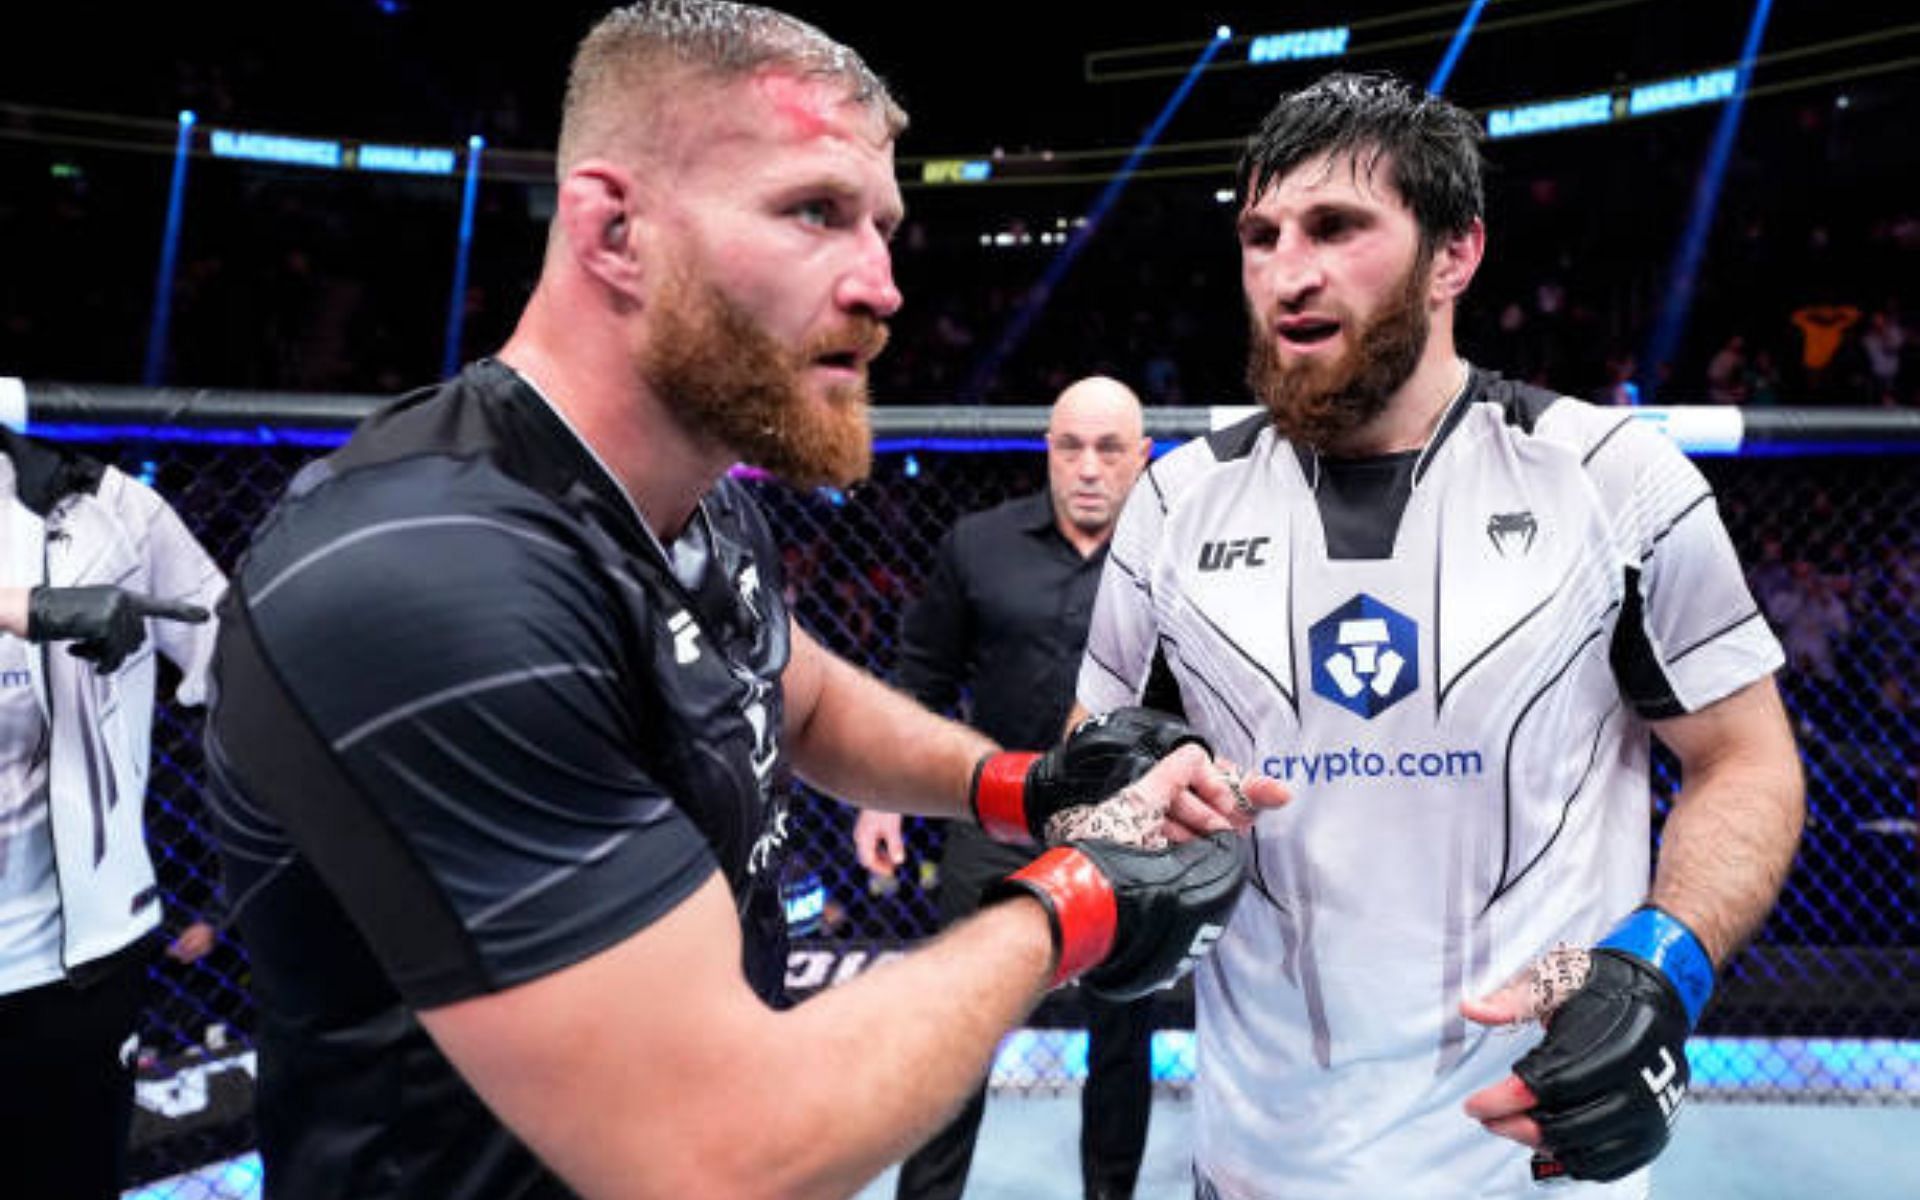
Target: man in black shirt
{"points": [[506, 692], [1003, 618]]}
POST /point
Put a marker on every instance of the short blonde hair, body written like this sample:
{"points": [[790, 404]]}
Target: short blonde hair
{"points": [[632, 62]]}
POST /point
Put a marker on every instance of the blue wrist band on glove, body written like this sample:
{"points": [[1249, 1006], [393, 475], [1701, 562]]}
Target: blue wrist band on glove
{"points": [[1659, 938]]}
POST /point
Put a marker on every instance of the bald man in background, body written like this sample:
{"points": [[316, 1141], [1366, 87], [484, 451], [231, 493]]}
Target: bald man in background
{"points": [[1003, 619]]}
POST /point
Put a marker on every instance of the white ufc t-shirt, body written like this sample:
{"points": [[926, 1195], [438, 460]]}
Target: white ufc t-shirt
{"points": [[1450, 657]]}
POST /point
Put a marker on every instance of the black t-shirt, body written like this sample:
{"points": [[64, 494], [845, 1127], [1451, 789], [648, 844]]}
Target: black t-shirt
{"points": [[469, 729]]}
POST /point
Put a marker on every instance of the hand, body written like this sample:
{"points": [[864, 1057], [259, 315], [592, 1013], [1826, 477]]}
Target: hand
{"points": [[106, 624], [1015, 793], [1194, 797], [193, 943], [1600, 1092], [877, 842], [1127, 922]]}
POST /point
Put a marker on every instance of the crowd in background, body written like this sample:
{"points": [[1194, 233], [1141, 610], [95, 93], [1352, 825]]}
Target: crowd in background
{"points": [[295, 279]]}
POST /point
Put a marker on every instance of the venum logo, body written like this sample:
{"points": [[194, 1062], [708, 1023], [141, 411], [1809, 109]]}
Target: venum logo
{"points": [[1512, 533], [1226, 555], [1366, 656]]}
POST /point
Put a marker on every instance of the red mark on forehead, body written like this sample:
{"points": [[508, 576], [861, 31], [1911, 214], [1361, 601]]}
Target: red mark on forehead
{"points": [[809, 108], [805, 106]]}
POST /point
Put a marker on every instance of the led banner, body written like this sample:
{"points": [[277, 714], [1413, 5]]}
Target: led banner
{"points": [[1604, 108]]}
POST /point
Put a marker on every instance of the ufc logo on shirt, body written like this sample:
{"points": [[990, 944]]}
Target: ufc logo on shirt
{"points": [[1224, 556]]}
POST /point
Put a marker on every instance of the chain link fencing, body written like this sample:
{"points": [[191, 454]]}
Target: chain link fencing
{"points": [[1815, 1011]]}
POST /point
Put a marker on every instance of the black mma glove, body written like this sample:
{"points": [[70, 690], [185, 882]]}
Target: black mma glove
{"points": [[1127, 922], [105, 624], [1611, 1074], [1015, 793]]}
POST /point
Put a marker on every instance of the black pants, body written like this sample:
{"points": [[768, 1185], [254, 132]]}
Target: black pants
{"points": [[1118, 1097], [66, 1080]]}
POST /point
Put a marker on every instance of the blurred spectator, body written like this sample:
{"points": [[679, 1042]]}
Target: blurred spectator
{"points": [[1813, 617], [1884, 341], [1763, 379], [1727, 373], [1620, 389]]}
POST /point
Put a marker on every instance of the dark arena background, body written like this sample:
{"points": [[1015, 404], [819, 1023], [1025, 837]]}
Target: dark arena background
{"points": [[226, 230]]}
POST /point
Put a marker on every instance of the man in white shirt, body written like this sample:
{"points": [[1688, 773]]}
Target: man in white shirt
{"points": [[93, 567], [1446, 609]]}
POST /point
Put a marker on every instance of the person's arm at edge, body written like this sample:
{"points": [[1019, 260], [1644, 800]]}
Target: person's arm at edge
{"points": [[854, 737], [651, 1069], [13, 611], [1736, 823]]}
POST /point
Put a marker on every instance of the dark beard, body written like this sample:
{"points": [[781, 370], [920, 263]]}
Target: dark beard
{"points": [[727, 381], [1319, 404]]}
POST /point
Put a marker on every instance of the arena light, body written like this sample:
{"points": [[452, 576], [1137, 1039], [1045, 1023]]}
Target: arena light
{"points": [[1729, 86], [159, 324], [463, 251], [1448, 61], [1299, 45]]}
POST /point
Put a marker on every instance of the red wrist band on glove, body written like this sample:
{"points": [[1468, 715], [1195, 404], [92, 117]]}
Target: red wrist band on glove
{"points": [[1079, 901], [999, 795]]}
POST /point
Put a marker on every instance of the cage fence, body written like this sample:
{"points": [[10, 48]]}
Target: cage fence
{"points": [[1821, 1008]]}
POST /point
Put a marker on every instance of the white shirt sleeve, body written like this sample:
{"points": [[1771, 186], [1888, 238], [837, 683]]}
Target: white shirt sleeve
{"points": [[1125, 631], [1697, 624]]}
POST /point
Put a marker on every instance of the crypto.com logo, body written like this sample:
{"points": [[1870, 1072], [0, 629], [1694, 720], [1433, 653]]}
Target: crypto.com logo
{"points": [[1366, 656]]}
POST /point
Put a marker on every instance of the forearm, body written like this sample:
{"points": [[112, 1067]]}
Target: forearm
{"points": [[881, 1063], [13, 611], [650, 1069], [871, 745], [1724, 855]]}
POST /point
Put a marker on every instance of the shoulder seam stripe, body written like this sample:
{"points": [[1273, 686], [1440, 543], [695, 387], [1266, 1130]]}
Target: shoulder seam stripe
{"points": [[547, 881], [1678, 517], [1604, 439], [485, 683], [1715, 636], [258, 597]]}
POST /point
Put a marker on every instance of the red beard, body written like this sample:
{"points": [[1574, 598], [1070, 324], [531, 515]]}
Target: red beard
{"points": [[728, 381]]}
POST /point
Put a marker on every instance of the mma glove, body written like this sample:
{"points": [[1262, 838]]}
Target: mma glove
{"points": [[105, 624], [1015, 793], [1127, 922], [1611, 1074]]}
